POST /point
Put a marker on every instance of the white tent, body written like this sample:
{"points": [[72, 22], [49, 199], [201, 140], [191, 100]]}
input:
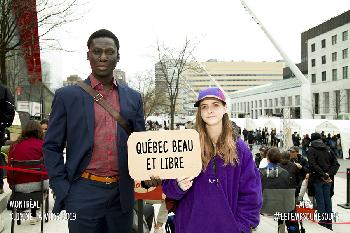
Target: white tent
{"points": [[269, 124], [338, 126], [327, 127]]}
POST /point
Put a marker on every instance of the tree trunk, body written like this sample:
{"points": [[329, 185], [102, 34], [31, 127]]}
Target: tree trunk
{"points": [[172, 116], [3, 75]]}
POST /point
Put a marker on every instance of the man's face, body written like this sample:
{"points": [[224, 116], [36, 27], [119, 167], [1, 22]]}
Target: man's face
{"points": [[103, 57], [293, 154]]}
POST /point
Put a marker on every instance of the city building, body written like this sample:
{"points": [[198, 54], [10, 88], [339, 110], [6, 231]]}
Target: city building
{"points": [[119, 75], [324, 61], [231, 76], [71, 80], [234, 76]]}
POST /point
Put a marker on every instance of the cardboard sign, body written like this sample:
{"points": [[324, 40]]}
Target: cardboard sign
{"points": [[153, 193], [168, 154]]}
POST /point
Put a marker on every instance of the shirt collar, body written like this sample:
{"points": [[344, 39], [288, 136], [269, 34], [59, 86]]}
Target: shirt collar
{"points": [[95, 83]]}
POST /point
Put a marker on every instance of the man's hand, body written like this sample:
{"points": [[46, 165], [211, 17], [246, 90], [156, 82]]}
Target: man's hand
{"points": [[153, 182], [185, 182]]}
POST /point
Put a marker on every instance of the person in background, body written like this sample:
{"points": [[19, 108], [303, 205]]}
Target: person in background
{"points": [[323, 166], [226, 196], [260, 158], [44, 124], [275, 180], [305, 144], [7, 114], [28, 147]]}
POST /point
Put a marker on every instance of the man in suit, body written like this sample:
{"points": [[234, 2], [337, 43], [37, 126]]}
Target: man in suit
{"points": [[94, 182]]}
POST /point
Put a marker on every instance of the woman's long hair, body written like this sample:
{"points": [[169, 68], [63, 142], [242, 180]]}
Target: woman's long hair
{"points": [[226, 145], [31, 130]]}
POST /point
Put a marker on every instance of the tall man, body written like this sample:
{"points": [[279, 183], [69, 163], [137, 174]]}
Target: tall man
{"points": [[7, 114], [323, 166], [94, 182]]}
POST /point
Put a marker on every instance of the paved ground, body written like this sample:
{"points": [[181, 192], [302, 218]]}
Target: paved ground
{"points": [[267, 224]]}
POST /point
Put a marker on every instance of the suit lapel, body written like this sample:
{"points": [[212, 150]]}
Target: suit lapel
{"points": [[90, 114], [123, 105]]}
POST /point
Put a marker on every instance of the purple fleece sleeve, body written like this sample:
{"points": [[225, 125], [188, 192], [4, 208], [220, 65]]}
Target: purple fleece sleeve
{"points": [[172, 190], [250, 193]]}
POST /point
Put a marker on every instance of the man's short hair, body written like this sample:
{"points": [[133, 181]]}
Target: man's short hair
{"points": [[103, 33], [294, 148], [274, 155]]}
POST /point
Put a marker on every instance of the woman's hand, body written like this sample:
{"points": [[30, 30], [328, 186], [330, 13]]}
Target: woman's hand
{"points": [[185, 182]]}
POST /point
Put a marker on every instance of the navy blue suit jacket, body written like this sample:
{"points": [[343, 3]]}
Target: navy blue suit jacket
{"points": [[71, 124]]}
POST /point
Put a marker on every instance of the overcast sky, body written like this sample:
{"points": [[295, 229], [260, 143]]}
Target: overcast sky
{"points": [[224, 30]]}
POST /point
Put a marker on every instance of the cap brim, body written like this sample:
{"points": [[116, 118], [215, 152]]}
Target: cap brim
{"points": [[208, 96]]}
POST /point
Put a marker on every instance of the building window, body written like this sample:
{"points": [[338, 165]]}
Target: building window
{"points": [[324, 59], [256, 104], [345, 35], [313, 62], [345, 72], [270, 102], [260, 103], [316, 103], [348, 100], [334, 74], [326, 102], [283, 101], [334, 56], [324, 76], [297, 100], [345, 53], [337, 102], [276, 102], [334, 39], [313, 48], [323, 43], [313, 78], [290, 101], [265, 103]]}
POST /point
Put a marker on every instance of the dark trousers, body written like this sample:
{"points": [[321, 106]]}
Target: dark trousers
{"points": [[97, 208], [324, 201], [2, 163]]}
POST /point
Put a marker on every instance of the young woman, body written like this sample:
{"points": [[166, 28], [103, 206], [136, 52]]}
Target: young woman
{"points": [[226, 196]]}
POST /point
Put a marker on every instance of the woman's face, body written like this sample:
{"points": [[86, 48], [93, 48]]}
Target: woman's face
{"points": [[212, 111]]}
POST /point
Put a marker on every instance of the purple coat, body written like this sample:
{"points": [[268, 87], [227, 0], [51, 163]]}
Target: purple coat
{"points": [[231, 205]]}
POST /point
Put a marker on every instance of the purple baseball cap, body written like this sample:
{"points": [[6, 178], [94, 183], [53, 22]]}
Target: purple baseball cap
{"points": [[213, 92]]}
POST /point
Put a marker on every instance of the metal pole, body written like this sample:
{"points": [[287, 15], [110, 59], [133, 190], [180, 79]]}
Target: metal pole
{"points": [[306, 87], [140, 215], [347, 204]]}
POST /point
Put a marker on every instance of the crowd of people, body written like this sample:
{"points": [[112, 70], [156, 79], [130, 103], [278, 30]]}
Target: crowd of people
{"points": [[312, 174], [271, 138]]}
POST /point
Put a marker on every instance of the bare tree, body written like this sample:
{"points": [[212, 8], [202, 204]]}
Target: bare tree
{"points": [[339, 98], [20, 21], [145, 84], [171, 66]]}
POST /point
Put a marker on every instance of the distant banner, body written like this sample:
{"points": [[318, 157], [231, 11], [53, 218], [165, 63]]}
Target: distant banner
{"points": [[168, 154]]}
